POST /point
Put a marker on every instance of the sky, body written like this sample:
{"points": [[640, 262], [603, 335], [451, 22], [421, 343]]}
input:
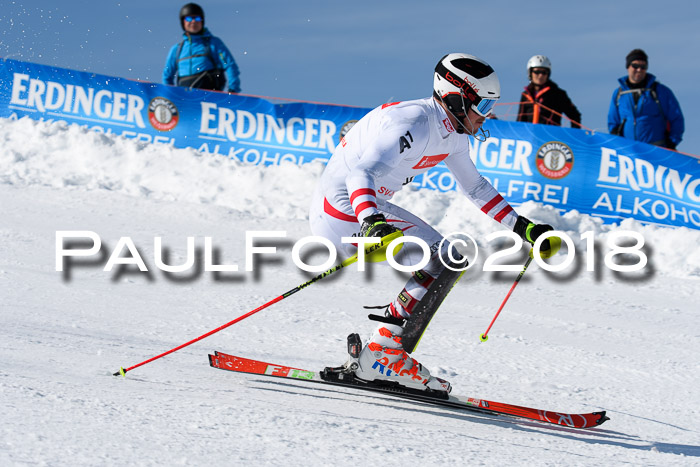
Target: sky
{"points": [[365, 53]]}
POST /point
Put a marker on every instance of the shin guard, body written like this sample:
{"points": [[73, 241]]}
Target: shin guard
{"points": [[425, 308]]}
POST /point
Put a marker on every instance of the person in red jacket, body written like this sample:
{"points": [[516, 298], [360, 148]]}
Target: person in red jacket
{"points": [[544, 91]]}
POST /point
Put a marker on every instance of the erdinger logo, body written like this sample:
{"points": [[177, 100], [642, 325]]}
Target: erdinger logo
{"points": [[554, 159], [346, 127], [162, 114]]}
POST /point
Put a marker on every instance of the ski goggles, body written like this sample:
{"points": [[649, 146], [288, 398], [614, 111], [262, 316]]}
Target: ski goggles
{"points": [[484, 107], [189, 19]]}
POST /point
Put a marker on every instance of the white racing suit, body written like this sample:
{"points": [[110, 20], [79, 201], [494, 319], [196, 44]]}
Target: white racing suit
{"points": [[382, 153]]}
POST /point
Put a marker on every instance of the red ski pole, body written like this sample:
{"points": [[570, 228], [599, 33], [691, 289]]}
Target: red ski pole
{"points": [[373, 253], [484, 337]]}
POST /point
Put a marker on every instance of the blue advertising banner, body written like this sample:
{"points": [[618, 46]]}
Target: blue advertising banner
{"points": [[599, 174], [249, 129]]}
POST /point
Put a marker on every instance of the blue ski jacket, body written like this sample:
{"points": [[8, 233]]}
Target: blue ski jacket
{"points": [[651, 120], [201, 52]]}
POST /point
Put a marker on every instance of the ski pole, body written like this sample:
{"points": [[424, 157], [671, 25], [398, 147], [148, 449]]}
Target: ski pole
{"points": [[484, 337], [372, 252]]}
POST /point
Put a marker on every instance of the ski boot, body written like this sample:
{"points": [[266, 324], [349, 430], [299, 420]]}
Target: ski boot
{"points": [[382, 361]]}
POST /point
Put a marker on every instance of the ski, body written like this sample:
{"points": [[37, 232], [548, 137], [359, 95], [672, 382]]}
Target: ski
{"points": [[331, 376]]}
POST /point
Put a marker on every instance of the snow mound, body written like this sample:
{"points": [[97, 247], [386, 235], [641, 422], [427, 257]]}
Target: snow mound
{"points": [[65, 156]]}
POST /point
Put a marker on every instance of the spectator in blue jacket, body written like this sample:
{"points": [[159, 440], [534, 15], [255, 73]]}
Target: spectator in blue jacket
{"points": [[644, 109], [201, 60]]}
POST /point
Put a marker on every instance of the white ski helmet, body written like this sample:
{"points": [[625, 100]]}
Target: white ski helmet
{"points": [[462, 81], [538, 61]]}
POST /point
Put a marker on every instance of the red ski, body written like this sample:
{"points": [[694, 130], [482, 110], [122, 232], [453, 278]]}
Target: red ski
{"points": [[329, 376]]}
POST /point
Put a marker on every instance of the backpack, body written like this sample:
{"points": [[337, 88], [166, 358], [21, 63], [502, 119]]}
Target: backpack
{"points": [[209, 79], [618, 129]]}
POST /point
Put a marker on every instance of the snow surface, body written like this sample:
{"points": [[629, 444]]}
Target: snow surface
{"points": [[570, 341]]}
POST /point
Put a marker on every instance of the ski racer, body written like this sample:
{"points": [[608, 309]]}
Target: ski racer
{"points": [[380, 154]]}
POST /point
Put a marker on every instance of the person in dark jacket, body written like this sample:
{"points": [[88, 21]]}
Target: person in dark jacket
{"points": [[542, 96], [200, 60], [644, 109]]}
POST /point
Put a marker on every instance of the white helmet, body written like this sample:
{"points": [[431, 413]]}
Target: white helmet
{"points": [[538, 61], [462, 81]]}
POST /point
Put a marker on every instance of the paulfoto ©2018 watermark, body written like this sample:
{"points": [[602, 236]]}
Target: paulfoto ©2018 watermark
{"points": [[89, 246]]}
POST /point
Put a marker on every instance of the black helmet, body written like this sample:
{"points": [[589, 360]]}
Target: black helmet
{"points": [[191, 9]]}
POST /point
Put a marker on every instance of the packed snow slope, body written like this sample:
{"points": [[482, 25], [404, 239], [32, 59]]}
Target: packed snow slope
{"points": [[570, 341]]}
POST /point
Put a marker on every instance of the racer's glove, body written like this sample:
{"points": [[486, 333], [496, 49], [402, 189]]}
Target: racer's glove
{"points": [[530, 232], [376, 226]]}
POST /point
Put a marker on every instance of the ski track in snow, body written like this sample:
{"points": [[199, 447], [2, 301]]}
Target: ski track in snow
{"points": [[569, 342]]}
